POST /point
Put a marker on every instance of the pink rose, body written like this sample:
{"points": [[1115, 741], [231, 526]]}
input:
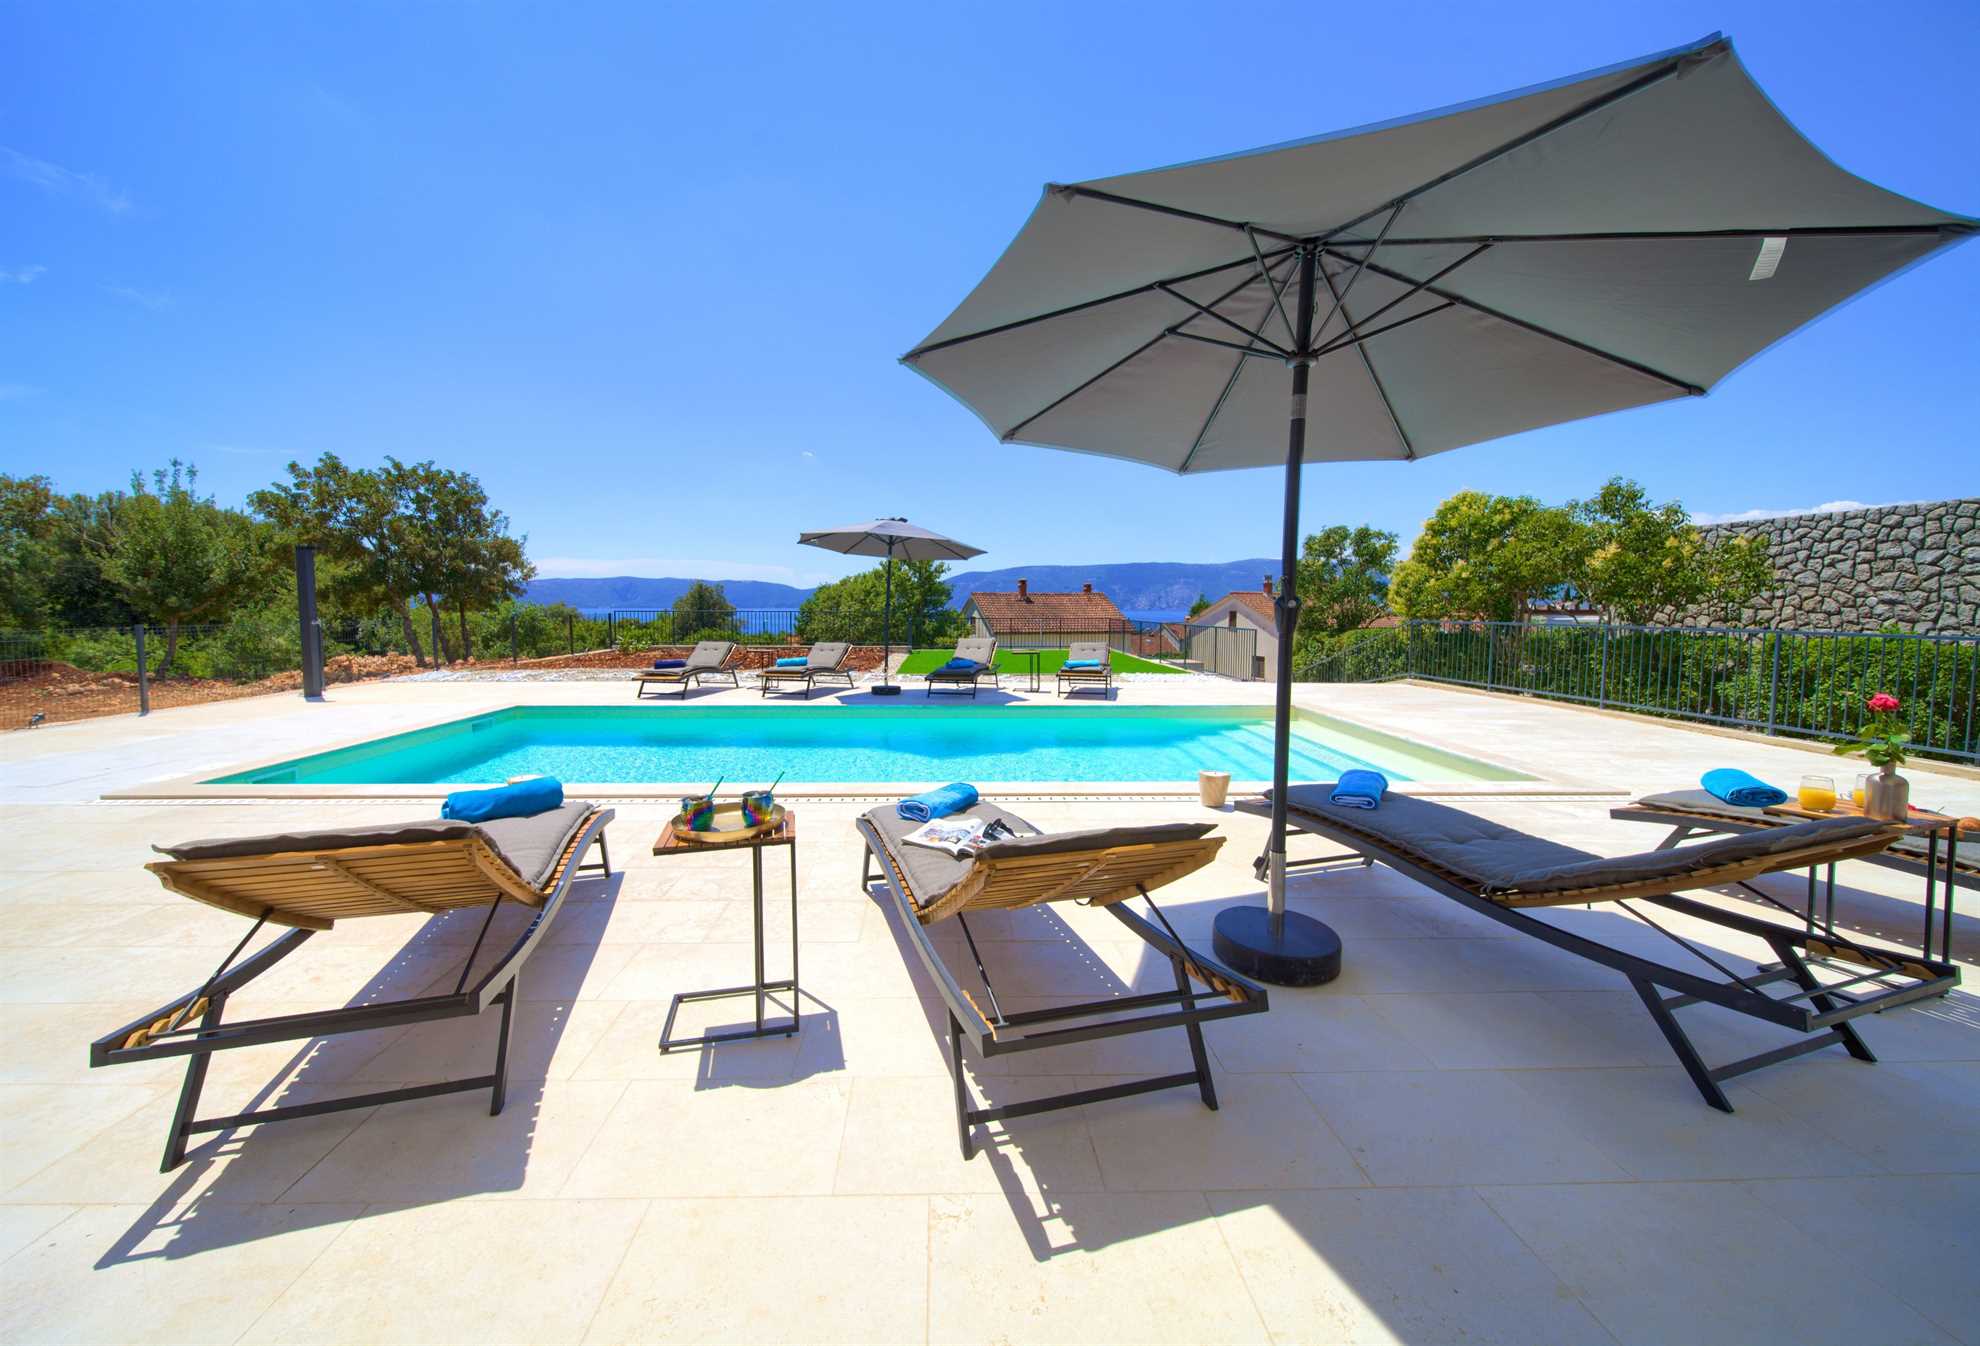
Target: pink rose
{"points": [[1883, 702]]}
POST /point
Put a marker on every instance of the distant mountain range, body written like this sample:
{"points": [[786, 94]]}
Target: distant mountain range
{"points": [[1135, 586]]}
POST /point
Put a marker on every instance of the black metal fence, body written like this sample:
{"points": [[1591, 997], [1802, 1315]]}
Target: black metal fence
{"points": [[1810, 684]]}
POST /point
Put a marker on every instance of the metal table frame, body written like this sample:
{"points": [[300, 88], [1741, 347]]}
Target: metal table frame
{"points": [[786, 836], [1031, 664]]}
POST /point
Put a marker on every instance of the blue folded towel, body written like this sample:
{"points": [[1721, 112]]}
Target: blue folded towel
{"points": [[1081, 663], [1741, 789], [670, 663], [1359, 789], [938, 803], [797, 661], [504, 801], [960, 666]]}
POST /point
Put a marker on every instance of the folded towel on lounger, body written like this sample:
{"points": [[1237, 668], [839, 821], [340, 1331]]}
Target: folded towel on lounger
{"points": [[1081, 663], [1360, 789], [1741, 789], [938, 803], [520, 800], [796, 662], [670, 663]]}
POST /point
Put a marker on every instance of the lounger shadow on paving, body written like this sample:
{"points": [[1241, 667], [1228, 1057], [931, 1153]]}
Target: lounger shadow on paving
{"points": [[1506, 875], [1100, 868], [708, 661], [308, 881], [824, 662], [982, 652]]}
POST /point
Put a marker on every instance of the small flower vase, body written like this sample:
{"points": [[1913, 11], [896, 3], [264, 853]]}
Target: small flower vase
{"points": [[1887, 796]]}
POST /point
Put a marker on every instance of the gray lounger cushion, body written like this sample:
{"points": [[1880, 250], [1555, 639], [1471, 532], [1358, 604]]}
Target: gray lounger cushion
{"points": [[932, 873], [1088, 649], [827, 656], [1494, 858], [982, 651], [531, 845]]}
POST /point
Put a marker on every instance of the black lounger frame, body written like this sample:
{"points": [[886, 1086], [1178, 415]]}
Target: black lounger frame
{"points": [[199, 1042], [1001, 1034], [689, 677], [1825, 1016]]}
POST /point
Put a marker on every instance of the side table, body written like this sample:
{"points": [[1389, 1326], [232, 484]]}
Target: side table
{"points": [[785, 834]]}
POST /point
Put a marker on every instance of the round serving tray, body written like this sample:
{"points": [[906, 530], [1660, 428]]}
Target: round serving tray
{"points": [[729, 828]]}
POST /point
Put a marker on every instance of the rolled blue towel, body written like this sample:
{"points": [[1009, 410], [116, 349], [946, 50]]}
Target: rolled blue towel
{"points": [[1359, 789], [670, 663], [504, 801], [939, 803], [1081, 663], [1741, 789], [798, 661]]}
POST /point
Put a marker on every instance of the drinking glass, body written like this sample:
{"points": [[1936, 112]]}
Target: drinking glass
{"points": [[1861, 789], [1817, 793]]}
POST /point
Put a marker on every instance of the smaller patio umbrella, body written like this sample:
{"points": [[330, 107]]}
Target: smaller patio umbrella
{"points": [[890, 538]]}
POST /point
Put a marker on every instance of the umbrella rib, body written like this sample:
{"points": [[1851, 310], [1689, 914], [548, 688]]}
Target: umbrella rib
{"points": [[1237, 368], [1274, 347], [1340, 295], [1340, 302], [1409, 294], [1535, 328], [1070, 309], [1273, 354], [1112, 198], [1673, 235], [1278, 288], [1358, 337], [1568, 118]]}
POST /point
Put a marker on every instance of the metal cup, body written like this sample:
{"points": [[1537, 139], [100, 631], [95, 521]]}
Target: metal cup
{"points": [[756, 806], [700, 812]]}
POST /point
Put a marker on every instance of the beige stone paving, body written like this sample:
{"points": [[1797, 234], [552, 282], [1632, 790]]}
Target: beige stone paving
{"points": [[1470, 1136]]}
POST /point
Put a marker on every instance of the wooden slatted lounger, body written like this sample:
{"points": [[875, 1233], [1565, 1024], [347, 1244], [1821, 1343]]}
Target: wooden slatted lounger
{"points": [[1099, 868], [1508, 875], [707, 660], [309, 881]]}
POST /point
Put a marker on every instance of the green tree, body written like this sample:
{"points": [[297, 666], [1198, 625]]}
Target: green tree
{"points": [[1202, 602], [1639, 562], [853, 608], [25, 527], [179, 557], [704, 607], [1485, 556], [1344, 578]]}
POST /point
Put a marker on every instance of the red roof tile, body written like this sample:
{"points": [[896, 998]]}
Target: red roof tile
{"points": [[1008, 609]]}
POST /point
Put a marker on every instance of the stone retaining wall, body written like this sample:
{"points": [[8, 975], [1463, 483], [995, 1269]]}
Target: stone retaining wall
{"points": [[1916, 565]]}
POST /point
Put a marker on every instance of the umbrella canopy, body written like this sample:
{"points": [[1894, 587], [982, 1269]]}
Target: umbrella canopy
{"points": [[1616, 239], [893, 539]]}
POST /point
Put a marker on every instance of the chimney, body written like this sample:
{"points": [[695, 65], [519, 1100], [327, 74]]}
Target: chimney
{"points": [[1087, 587], [1024, 591], [1268, 586]]}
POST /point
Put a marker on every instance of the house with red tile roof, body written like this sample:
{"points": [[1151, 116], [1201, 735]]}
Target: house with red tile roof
{"points": [[1023, 615]]}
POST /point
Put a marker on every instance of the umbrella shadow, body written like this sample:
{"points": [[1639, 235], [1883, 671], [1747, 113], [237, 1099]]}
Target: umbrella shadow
{"points": [[411, 1153]]}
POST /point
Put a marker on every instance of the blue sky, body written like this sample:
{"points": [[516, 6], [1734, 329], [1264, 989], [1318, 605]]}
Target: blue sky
{"points": [[647, 270]]}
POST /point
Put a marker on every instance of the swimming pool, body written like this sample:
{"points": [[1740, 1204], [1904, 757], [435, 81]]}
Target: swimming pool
{"points": [[642, 744]]}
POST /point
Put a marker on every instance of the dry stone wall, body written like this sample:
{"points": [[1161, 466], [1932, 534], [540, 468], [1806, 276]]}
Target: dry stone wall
{"points": [[1858, 570]]}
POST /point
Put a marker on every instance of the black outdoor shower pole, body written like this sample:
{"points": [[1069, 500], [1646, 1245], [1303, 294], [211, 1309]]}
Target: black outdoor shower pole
{"points": [[312, 630], [1275, 945]]}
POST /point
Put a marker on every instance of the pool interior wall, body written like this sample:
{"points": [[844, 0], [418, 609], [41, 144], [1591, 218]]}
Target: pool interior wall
{"points": [[751, 746]]}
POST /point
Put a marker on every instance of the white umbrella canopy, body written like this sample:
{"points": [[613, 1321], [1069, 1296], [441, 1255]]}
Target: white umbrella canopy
{"points": [[891, 538], [1611, 240]]}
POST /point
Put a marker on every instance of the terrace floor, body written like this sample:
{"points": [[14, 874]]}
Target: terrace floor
{"points": [[1469, 1137]]}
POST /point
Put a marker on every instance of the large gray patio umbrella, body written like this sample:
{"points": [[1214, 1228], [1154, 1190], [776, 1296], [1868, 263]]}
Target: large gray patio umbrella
{"points": [[890, 538], [1619, 238]]}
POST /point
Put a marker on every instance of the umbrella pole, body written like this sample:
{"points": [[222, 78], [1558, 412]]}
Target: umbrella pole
{"points": [[887, 631], [1269, 942]]}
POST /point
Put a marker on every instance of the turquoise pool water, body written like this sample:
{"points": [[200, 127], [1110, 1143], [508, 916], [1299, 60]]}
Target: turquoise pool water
{"points": [[640, 744]]}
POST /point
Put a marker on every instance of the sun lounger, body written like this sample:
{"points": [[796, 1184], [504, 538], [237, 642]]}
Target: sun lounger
{"points": [[983, 652], [1508, 876], [1101, 675], [1099, 868], [708, 660], [824, 661], [309, 881]]}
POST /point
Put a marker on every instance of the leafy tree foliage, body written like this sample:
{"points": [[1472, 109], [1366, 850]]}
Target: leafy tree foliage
{"points": [[851, 608], [1485, 556], [1202, 602], [1640, 562], [1344, 577], [704, 612]]}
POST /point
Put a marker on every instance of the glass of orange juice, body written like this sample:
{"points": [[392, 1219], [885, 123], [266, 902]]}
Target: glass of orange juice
{"points": [[1817, 793], [1860, 789]]}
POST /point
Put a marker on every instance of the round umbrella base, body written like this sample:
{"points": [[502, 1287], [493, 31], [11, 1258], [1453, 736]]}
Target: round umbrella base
{"points": [[884, 689], [1295, 950]]}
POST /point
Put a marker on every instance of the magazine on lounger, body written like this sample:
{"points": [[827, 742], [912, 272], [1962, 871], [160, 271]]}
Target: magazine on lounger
{"points": [[960, 837]]}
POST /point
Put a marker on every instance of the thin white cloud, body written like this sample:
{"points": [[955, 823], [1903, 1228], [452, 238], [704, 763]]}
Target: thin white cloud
{"points": [[59, 181], [806, 453], [21, 275], [681, 567], [1826, 507], [131, 294]]}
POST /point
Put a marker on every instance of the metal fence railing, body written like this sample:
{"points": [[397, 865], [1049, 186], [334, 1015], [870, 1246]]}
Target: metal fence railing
{"points": [[1225, 651], [1805, 683]]}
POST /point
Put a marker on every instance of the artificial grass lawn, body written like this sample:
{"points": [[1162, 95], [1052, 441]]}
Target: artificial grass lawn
{"points": [[923, 662]]}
